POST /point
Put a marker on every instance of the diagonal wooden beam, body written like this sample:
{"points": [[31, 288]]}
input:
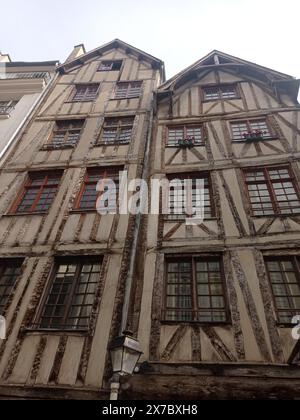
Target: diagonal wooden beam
{"points": [[173, 343], [172, 231], [294, 354], [219, 346]]}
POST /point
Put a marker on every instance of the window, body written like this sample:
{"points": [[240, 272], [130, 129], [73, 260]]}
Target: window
{"points": [[272, 191], [117, 130], [38, 193], [9, 272], [284, 274], [127, 90], [71, 296], [212, 93], [84, 93], [6, 107], [110, 65], [66, 134], [88, 195], [241, 128], [178, 195], [195, 290], [178, 133]]}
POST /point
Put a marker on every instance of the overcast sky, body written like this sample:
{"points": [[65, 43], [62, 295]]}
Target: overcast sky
{"points": [[177, 31]]}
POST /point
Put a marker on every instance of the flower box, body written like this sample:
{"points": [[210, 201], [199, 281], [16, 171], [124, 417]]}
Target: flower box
{"points": [[256, 135], [187, 142]]}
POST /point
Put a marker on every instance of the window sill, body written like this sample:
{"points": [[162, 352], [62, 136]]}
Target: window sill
{"points": [[183, 219], [79, 102], [43, 331], [274, 216], [221, 99], [40, 213], [185, 147], [81, 211], [52, 148], [125, 99], [254, 141], [188, 323], [111, 144]]}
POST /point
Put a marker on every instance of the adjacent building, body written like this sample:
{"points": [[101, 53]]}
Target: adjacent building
{"points": [[211, 303], [22, 85]]}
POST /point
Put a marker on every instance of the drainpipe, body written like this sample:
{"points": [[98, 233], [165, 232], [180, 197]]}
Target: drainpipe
{"points": [[115, 381], [129, 280]]}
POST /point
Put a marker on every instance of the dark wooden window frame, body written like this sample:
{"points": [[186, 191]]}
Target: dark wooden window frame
{"points": [[272, 136], [296, 264], [129, 83], [219, 87], [117, 63], [194, 258], [72, 97], [101, 142], [27, 185], [64, 145], [79, 261], [86, 181], [4, 264], [185, 127], [187, 175], [268, 182]]}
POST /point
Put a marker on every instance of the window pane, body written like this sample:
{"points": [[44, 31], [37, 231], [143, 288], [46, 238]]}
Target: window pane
{"points": [[9, 272], [284, 277], [65, 311]]}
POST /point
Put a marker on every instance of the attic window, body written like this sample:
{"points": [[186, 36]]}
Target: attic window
{"points": [[214, 93], [85, 92], [110, 65]]}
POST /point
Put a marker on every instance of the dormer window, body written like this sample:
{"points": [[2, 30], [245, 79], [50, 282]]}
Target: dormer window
{"points": [[114, 65], [217, 92]]}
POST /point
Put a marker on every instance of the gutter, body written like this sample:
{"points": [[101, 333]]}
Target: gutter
{"points": [[129, 280]]}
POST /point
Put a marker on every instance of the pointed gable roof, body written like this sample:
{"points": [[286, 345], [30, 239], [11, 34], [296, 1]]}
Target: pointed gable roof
{"points": [[274, 80], [116, 43]]}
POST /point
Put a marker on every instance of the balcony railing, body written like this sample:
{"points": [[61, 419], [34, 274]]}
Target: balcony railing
{"points": [[6, 110], [30, 75]]}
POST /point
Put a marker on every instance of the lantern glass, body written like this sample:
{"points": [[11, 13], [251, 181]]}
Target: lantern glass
{"points": [[125, 354]]}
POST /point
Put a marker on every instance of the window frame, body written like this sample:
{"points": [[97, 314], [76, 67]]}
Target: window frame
{"points": [[185, 127], [77, 208], [296, 265], [219, 87], [50, 146], [119, 63], [72, 97], [271, 136], [191, 175], [79, 261], [129, 83], [101, 142], [269, 182], [26, 186], [9, 262], [194, 258]]}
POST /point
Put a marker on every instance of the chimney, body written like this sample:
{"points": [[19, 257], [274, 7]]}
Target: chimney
{"points": [[77, 52], [4, 58]]}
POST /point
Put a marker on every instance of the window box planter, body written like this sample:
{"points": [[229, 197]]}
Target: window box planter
{"points": [[253, 136], [187, 142]]}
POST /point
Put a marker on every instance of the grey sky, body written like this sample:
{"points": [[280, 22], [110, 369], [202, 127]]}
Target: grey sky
{"points": [[178, 32]]}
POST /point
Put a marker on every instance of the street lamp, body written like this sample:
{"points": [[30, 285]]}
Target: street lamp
{"points": [[125, 353]]}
